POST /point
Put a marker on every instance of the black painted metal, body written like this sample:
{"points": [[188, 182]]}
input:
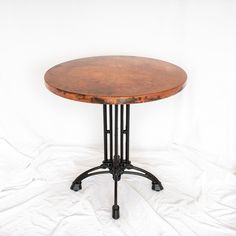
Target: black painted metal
{"points": [[105, 131], [127, 133], [121, 132], [116, 164], [115, 192], [111, 131], [116, 130]]}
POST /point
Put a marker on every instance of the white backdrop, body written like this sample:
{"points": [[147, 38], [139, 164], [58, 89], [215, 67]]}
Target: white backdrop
{"points": [[47, 140]]}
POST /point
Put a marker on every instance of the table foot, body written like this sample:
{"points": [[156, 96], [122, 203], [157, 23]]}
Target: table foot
{"points": [[115, 212], [76, 186], [157, 186]]}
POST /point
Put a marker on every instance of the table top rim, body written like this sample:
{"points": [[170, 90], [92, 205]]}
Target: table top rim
{"points": [[115, 99]]}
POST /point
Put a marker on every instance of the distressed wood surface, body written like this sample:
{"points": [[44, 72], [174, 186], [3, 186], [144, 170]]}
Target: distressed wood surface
{"points": [[115, 79]]}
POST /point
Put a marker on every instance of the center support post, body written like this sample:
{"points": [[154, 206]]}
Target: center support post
{"points": [[116, 132], [116, 152]]}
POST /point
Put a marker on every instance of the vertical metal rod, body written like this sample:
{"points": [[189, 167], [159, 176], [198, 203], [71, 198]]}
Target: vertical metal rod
{"points": [[116, 130], [121, 131], [105, 130], [115, 192], [111, 132], [127, 133]]}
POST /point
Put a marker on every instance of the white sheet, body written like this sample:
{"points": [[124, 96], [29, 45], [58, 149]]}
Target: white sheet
{"points": [[35, 199]]}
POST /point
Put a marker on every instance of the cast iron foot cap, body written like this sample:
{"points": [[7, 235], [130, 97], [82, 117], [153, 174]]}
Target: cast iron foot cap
{"points": [[115, 212], [76, 186], [157, 186]]}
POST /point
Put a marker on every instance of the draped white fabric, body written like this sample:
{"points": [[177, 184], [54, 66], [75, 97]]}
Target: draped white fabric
{"points": [[187, 140]]}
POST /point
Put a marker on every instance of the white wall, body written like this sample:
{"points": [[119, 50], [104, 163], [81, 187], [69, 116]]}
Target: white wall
{"points": [[199, 36]]}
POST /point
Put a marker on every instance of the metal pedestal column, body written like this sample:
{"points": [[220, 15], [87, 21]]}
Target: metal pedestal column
{"points": [[117, 163]]}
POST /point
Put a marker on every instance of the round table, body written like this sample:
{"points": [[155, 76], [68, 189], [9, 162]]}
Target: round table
{"points": [[116, 82]]}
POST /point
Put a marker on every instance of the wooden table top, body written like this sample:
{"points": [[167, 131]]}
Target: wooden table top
{"points": [[115, 79]]}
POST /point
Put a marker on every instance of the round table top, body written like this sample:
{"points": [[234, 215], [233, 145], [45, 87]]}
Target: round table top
{"points": [[115, 79]]}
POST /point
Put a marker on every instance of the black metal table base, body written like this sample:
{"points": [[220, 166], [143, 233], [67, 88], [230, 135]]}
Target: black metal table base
{"points": [[117, 163]]}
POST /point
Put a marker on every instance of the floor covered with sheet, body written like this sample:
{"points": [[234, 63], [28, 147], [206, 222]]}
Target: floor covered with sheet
{"points": [[199, 197]]}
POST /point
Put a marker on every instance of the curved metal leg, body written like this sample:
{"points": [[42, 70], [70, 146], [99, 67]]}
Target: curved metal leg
{"points": [[156, 183], [136, 173], [76, 185]]}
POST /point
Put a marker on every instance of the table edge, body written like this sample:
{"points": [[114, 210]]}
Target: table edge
{"points": [[116, 99]]}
